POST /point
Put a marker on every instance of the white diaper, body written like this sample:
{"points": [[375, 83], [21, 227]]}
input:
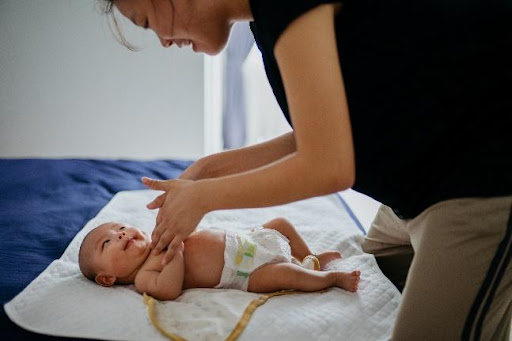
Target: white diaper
{"points": [[246, 252]]}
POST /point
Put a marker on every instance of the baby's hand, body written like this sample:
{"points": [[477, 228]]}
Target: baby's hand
{"points": [[180, 249]]}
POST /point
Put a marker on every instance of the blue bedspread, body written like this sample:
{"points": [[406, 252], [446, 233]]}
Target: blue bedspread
{"points": [[44, 203]]}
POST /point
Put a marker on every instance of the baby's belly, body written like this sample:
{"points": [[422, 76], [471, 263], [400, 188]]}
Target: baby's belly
{"points": [[204, 258]]}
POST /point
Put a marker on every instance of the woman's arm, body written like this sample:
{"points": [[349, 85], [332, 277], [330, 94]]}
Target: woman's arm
{"points": [[241, 160], [234, 161], [323, 160]]}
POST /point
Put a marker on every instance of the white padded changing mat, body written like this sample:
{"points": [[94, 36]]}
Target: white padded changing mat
{"points": [[60, 301]]}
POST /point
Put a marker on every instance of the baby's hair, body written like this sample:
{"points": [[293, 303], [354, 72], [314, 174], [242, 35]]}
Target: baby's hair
{"points": [[107, 7], [84, 260]]}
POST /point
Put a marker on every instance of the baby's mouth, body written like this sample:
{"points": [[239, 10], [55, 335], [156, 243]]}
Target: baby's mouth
{"points": [[128, 243]]}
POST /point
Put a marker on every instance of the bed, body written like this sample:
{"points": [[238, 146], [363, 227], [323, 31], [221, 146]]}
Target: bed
{"points": [[46, 202]]}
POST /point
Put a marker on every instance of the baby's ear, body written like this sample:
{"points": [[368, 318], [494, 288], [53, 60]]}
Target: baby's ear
{"points": [[105, 280]]}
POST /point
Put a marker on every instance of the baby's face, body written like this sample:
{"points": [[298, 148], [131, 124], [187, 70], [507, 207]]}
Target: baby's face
{"points": [[118, 249]]}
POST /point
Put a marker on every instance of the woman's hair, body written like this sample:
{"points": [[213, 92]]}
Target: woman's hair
{"points": [[107, 7]]}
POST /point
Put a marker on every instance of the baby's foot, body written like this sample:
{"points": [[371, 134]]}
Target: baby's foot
{"points": [[326, 257], [348, 281]]}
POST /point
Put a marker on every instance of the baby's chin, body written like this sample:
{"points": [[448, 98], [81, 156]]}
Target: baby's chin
{"points": [[145, 235], [140, 250], [147, 239], [142, 244]]}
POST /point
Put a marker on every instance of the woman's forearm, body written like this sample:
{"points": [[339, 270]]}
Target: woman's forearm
{"points": [[289, 179], [247, 158]]}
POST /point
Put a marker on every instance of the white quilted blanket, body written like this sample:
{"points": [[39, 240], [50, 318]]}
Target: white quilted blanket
{"points": [[62, 302]]}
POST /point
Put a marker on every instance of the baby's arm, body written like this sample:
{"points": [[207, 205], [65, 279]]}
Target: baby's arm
{"points": [[163, 285]]}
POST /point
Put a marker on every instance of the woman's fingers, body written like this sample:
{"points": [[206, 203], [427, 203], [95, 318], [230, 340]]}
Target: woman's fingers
{"points": [[163, 241], [160, 185], [178, 215], [157, 202], [171, 250], [156, 236], [159, 217]]}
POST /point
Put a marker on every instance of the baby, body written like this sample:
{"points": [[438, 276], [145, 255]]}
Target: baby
{"points": [[262, 260]]}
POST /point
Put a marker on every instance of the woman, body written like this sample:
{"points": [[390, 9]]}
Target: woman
{"points": [[407, 102]]}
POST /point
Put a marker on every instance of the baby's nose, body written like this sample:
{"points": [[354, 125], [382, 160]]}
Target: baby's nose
{"points": [[121, 235]]}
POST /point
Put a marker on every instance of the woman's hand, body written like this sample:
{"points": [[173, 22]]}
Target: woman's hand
{"points": [[181, 209]]}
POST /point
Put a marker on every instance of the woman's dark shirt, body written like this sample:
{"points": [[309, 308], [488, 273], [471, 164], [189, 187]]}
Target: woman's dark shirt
{"points": [[429, 91]]}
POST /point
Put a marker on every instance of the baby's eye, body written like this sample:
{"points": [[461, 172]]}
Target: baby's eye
{"points": [[103, 245], [122, 228]]}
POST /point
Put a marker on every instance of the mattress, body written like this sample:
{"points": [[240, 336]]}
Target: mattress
{"points": [[62, 302]]}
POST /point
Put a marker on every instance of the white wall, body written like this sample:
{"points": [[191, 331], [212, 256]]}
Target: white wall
{"points": [[264, 120], [69, 89]]}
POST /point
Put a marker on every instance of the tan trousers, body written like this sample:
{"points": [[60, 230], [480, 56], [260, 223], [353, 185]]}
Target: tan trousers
{"points": [[455, 261]]}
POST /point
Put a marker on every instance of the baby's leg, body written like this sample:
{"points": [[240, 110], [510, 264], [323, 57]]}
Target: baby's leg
{"points": [[297, 244], [286, 276], [326, 257]]}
